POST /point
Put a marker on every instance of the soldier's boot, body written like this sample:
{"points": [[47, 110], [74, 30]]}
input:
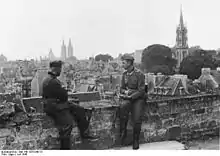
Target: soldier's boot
{"points": [[123, 131], [136, 134], [65, 143]]}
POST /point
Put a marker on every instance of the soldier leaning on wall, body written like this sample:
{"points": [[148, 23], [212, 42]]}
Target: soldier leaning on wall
{"points": [[60, 110], [133, 99]]}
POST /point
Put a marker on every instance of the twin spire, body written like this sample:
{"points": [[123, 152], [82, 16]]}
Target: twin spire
{"points": [[66, 52]]}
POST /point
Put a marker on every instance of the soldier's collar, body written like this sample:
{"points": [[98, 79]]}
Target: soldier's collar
{"points": [[130, 72], [52, 74]]}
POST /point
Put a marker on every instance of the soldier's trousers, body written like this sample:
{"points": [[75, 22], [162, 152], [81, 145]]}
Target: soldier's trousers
{"points": [[136, 109], [64, 122]]}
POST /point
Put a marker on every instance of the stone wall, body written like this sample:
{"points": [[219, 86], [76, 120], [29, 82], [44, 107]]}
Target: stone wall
{"points": [[182, 118], [174, 119]]}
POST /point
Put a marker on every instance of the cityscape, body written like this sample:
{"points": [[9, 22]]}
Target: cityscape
{"points": [[181, 111]]}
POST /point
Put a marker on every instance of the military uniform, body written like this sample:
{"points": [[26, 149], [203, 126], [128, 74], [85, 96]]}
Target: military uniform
{"points": [[132, 85], [57, 107]]}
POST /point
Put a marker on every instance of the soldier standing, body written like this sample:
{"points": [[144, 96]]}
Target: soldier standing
{"points": [[133, 99], [57, 107]]}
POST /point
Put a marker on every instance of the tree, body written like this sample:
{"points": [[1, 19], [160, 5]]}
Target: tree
{"points": [[160, 69], [103, 57], [192, 65], [193, 50], [156, 57]]}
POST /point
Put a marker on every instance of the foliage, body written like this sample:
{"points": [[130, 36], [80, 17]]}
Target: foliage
{"points": [[158, 58], [164, 69], [103, 57], [192, 65]]}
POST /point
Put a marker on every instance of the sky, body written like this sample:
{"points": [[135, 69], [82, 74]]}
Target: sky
{"points": [[29, 28]]}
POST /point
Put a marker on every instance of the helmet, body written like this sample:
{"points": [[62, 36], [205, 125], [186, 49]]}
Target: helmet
{"points": [[127, 57]]}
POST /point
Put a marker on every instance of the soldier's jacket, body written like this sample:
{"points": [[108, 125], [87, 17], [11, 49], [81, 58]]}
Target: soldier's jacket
{"points": [[134, 82], [56, 101], [53, 93]]}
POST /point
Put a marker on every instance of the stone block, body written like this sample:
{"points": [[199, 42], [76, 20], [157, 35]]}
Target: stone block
{"points": [[52, 132], [162, 133], [217, 131], [163, 108], [9, 97], [4, 132], [199, 111], [29, 145], [167, 122], [101, 119], [196, 134], [194, 126], [10, 139], [204, 124], [154, 118], [174, 133], [30, 132], [212, 124], [13, 146], [34, 102], [86, 96], [209, 110], [215, 114], [216, 108], [185, 129], [165, 115], [6, 110]]}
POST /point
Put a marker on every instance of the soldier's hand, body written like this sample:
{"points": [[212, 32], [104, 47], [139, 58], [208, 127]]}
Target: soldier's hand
{"points": [[125, 97]]}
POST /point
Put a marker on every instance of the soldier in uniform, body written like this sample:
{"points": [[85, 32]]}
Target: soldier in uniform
{"points": [[57, 107], [132, 94]]}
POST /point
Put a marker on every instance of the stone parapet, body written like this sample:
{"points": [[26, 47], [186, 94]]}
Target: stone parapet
{"points": [[180, 119]]}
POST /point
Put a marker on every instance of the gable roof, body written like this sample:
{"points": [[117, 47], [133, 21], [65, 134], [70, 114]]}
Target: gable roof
{"points": [[172, 85]]}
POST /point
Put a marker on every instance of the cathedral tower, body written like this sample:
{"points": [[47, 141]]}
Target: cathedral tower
{"points": [[70, 49], [63, 51], [181, 41], [51, 55]]}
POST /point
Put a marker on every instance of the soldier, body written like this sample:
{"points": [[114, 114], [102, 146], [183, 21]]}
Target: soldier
{"points": [[132, 94], [57, 107]]}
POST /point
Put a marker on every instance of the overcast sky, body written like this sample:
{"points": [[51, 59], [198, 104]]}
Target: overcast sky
{"points": [[29, 28]]}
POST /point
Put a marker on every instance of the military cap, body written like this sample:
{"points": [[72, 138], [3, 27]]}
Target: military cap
{"points": [[56, 64], [127, 57]]}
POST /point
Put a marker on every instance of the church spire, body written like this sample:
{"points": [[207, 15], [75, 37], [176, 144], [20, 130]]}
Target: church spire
{"points": [[181, 17], [70, 41], [70, 49]]}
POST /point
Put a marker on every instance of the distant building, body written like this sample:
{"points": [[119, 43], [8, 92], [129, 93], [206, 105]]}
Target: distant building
{"points": [[137, 56], [3, 59], [63, 52], [181, 41], [51, 55], [166, 86], [70, 49], [37, 81]]}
